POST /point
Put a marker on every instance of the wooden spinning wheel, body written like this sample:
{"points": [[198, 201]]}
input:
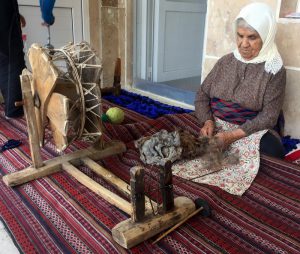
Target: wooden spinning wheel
{"points": [[65, 86], [63, 90]]}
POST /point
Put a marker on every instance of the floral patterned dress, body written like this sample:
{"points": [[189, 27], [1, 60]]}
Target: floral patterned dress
{"points": [[236, 178]]}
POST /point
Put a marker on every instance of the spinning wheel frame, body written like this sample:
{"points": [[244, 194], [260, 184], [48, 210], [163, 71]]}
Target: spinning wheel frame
{"points": [[130, 232], [66, 81], [78, 89]]}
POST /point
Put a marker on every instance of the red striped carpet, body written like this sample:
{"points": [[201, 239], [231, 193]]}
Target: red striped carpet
{"points": [[56, 214]]}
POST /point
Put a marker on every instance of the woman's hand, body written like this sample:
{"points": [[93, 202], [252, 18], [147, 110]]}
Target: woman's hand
{"points": [[208, 128], [228, 137]]}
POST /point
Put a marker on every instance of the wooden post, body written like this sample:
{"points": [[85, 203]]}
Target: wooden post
{"points": [[137, 193], [117, 78], [166, 187], [116, 88], [31, 122]]}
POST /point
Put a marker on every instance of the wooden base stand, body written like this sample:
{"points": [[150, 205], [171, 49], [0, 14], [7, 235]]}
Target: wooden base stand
{"points": [[129, 233], [54, 165]]}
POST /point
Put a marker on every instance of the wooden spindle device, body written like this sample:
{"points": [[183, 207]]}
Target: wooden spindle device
{"points": [[73, 111]]}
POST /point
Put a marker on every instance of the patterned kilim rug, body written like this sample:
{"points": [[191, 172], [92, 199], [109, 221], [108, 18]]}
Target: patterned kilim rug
{"points": [[56, 214]]}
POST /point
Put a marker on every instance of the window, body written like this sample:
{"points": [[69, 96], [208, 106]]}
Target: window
{"points": [[290, 9]]}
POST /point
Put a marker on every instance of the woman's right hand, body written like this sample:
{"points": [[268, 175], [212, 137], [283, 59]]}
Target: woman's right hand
{"points": [[208, 128]]}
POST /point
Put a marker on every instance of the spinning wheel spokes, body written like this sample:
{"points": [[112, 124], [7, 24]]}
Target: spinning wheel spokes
{"points": [[73, 104]]}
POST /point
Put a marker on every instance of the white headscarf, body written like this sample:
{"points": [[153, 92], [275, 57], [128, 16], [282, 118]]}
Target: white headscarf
{"points": [[261, 18]]}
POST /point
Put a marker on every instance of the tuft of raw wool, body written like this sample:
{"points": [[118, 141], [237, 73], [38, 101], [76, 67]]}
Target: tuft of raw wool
{"points": [[166, 146], [202, 146], [159, 148], [193, 146]]}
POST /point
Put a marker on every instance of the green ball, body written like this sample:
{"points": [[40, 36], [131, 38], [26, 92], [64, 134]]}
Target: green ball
{"points": [[115, 115]]}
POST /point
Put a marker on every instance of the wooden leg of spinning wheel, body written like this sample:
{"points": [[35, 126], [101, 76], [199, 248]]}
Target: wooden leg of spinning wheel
{"points": [[31, 122], [166, 187], [137, 193]]}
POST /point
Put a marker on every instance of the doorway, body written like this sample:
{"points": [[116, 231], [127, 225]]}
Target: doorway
{"points": [[168, 43], [69, 26]]}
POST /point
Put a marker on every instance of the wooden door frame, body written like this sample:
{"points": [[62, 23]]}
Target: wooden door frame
{"points": [[84, 14], [128, 43]]}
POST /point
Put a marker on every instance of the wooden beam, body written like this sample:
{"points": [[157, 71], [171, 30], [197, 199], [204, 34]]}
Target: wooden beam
{"points": [[113, 179], [97, 188], [128, 234], [54, 165], [107, 176], [31, 120]]}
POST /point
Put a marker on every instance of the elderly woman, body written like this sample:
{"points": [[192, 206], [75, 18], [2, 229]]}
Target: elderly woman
{"points": [[246, 87], [239, 102]]}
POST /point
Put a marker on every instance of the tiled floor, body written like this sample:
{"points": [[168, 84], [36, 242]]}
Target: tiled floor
{"points": [[6, 244]]}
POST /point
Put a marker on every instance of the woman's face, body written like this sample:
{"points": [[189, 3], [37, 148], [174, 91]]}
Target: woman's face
{"points": [[249, 43]]}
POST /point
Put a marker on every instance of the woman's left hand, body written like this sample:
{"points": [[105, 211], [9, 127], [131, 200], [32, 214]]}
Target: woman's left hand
{"points": [[208, 129], [228, 137]]}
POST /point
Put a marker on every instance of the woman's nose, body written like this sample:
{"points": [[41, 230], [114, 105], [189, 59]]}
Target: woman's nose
{"points": [[245, 43]]}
